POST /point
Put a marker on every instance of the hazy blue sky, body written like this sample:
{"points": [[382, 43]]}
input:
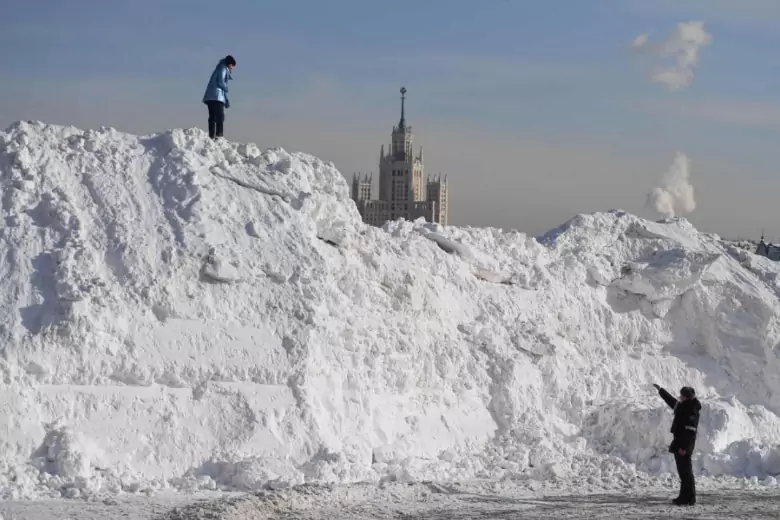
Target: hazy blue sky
{"points": [[537, 109]]}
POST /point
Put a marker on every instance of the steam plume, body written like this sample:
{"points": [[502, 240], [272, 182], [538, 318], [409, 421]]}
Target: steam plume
{"points": [[674, 194]]}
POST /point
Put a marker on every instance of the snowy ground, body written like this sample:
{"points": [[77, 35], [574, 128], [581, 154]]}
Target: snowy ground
{"points": [[131, 507], [408, 501]]}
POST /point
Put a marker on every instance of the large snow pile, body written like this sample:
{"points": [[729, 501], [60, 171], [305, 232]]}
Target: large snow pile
{"points": [[188, 314]]}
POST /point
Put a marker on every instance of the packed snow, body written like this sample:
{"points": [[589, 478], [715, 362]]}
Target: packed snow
{"points": [[182, 314], [409, 501]]}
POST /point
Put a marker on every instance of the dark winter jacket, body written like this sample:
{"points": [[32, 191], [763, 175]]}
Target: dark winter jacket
{"points": [[685, 423]]}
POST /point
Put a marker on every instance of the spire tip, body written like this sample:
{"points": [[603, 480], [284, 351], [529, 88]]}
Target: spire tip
{"points": [[402, 124]]}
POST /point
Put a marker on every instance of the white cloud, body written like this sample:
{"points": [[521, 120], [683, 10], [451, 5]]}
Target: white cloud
{"points": [[639, 41], [682, 48]]}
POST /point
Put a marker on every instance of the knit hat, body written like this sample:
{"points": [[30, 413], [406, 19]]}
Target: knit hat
{"points": [[687, 392]]}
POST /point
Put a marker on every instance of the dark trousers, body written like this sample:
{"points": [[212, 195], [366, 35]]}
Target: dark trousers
{"points": [[687, 482], [216, 118]]}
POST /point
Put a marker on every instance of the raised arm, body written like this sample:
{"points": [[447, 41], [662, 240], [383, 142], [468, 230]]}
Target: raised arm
{"points": [[666, 396]]}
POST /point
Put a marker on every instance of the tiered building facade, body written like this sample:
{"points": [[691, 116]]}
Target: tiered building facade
{"points": [[402, 191], [770, 251]]}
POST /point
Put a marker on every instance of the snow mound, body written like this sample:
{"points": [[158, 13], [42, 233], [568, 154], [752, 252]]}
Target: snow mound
{"points": [[180, 313]]}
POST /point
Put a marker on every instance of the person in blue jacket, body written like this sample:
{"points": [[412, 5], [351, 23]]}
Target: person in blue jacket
{"points": [[216, 95]]}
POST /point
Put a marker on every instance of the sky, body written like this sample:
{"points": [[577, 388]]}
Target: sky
{"points": [[537, 110]]}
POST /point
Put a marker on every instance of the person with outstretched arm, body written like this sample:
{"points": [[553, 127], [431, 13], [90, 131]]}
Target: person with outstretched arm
{"points": [[216, 97], [684, 426]]}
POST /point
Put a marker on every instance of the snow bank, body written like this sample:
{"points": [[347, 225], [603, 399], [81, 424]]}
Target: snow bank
{"points": [[197, 315]]}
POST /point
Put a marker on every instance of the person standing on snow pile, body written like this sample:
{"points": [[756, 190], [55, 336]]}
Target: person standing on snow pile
{"points": [[216, 95], [684, 426]]}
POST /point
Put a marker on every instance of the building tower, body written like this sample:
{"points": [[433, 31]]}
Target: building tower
{"points": [[402, 191], [400, 173], [768, 250], [361, 186], [436, 191]]}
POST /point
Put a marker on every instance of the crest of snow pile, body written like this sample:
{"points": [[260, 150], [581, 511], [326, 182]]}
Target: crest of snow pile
{"points": [[484, 267], [179, 313]]}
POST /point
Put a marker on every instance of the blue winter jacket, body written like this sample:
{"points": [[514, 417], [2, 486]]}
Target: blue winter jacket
{"points": [[217, 88]]}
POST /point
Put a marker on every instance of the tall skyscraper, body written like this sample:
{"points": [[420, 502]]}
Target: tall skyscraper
{"points": [[402, 191]]}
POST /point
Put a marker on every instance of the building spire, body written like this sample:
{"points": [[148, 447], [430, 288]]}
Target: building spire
{"points": [[402, 124]]}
